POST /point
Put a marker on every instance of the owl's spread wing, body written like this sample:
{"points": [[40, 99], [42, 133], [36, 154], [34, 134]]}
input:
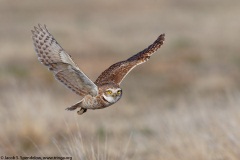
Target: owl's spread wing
{"points": [[52, 55], [118, 71]]}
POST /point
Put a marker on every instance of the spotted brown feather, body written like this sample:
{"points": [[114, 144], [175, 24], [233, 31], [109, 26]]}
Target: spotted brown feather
{"points": [[51, 54], [117, 72]]}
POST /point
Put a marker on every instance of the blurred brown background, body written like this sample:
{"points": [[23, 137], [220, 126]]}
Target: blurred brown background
{"points": [[182, 104]]}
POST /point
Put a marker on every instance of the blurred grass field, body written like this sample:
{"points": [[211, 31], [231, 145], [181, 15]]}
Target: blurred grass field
{"points": [[182, 104]]}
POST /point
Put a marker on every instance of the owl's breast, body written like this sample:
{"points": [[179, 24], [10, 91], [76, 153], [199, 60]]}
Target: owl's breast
{"points": [[97, 102]]}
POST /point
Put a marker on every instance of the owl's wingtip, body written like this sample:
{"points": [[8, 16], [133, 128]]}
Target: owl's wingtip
{"points": [[40, 27], [162, 36]]}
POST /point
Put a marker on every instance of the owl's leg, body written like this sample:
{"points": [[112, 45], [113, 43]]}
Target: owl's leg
{"points": [[81, 111]]}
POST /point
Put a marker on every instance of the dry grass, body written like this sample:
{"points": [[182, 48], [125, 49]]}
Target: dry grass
{"points": [[183, 104], [207, 128]]}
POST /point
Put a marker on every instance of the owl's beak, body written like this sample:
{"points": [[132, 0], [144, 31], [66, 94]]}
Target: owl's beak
{"points": [[114, 95]]}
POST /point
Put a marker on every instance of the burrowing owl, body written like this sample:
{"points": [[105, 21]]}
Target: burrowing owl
{"points": [[102, 93]]}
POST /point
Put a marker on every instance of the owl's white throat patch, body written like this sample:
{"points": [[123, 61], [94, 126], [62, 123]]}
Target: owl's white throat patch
{"points": [[109, 99]]}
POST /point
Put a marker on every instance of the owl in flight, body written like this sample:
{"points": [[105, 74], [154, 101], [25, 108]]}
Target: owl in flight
{"points": [[102, 93]]}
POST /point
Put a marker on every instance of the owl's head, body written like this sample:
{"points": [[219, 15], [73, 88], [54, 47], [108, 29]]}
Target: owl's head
{"points": [[112, 95]]}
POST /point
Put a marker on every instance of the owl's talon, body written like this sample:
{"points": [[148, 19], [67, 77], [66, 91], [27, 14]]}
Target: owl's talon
{"points": [[81, 111]]}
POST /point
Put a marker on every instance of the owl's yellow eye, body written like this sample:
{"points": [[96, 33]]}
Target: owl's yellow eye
{"points": [[109, 92], [119, 92]]}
